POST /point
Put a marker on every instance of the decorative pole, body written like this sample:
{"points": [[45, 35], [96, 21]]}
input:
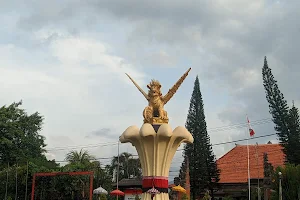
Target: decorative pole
{"points": [[280, 186], [156, 143], [118, 168]]}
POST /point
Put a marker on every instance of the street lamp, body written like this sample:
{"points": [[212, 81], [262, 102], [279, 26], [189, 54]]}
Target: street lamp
{"points": [[280, 187]]}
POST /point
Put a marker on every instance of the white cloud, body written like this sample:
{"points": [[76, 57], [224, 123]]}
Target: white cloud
{"points": [[81, 84], [160, 58], [50, 156], [68, 63]]}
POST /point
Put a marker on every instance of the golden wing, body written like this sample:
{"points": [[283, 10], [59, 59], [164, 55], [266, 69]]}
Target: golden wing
{"points": [[138, 87], [175, 87]]}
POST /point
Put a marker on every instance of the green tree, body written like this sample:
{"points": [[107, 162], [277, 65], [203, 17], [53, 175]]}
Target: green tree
{"points": [[106, 178], [176, 181], [290, 182], [21, 171], [268, 170], [102, 176], [294, 139], [286, 126], [204, 173], [21, 142], [184, 197], [19, 135], [128, 166], [81, 161], [81, 157], [182, 172], [207, 196], [103, 197], [84, 161]]}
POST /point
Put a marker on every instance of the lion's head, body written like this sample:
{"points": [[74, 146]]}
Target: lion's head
{"points": [[154, 88]]}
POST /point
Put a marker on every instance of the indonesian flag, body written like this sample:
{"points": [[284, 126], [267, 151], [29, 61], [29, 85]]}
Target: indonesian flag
{"points": [[251, 131]]}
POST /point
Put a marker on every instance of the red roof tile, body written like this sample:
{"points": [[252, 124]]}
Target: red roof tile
{"points": [[234, 164]]}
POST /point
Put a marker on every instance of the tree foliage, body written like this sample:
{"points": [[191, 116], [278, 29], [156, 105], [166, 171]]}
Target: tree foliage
{"points": [[20, 140], [228, 198], [268, 168], [206, 196], [70, 187], [22, 143], [81, 157], [180, 180], [286, 121], [17, 173], [184, 197], [129, 167], [290, 182], [176, 181], [22, 154], [182, 171], [294, 138], [204, 173]]}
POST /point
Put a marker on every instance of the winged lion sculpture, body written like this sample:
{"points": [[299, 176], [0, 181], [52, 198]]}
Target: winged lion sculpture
{"points": [[154, 113]]}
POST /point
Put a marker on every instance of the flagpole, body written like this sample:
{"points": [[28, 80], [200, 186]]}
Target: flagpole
{"points": [[251, 133], [249, 188], [257, 164], [248, 154]]}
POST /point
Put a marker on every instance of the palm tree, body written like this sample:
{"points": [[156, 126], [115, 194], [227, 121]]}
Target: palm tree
{"points": [[134, 167], [81, 161], [82, 157], [128, 166]]}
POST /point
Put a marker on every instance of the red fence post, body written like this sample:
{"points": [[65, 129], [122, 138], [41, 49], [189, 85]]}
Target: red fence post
{"points": [[32, 189], [91, 185]]}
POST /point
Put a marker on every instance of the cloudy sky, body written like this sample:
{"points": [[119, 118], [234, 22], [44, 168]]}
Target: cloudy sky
{"points": [[66, 59]]}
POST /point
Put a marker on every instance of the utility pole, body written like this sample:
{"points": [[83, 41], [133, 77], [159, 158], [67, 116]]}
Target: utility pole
{"points": [[280, 187]]}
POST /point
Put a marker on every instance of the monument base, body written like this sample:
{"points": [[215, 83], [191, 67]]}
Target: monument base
{"points": [[156, 145], [160, 196]]}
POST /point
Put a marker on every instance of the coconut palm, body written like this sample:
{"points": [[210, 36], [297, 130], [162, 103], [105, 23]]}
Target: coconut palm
{"points": [[129, 166], [81, 161], [82, 157]]}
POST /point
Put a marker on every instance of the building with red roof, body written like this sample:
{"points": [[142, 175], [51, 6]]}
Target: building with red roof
{"points": [[234, 166]]}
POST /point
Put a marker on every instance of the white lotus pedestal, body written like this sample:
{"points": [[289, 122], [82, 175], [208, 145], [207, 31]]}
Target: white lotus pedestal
{"points": [[156, 146]]}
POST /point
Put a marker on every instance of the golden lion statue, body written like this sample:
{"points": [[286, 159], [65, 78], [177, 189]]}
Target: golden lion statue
{"points": [[154, 113]]}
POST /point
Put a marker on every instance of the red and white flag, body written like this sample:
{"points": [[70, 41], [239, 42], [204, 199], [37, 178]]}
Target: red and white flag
{"points": [[251, 131]]}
